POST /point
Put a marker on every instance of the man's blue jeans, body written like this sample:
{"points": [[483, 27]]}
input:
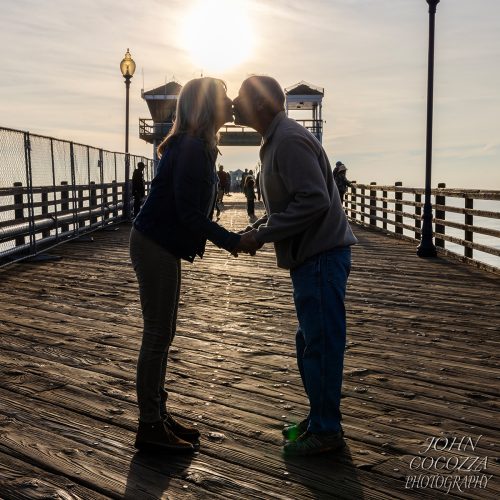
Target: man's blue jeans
{"points": [[319, 286]]}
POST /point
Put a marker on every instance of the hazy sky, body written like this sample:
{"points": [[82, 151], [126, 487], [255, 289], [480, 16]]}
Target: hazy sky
{"points": [[61, 77]]}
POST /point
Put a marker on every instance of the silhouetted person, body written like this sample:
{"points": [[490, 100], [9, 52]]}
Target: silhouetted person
{"points": [[221, 185], [312, 238], [339, 174], [257, 184], [175, 223], [249, 191], [243, 177], [138, 187]]}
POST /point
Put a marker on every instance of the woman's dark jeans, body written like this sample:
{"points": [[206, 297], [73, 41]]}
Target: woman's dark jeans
{"points": [[159, 276]]}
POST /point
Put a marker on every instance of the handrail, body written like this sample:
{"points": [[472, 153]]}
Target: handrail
{"points": [[52, 190], [384, 208]]}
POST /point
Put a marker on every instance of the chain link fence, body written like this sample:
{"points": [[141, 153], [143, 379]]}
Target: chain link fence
{"points": [[53, 190]]}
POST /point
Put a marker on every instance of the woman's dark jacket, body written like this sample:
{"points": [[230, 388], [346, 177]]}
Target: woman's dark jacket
{"points": [[178, 210]]}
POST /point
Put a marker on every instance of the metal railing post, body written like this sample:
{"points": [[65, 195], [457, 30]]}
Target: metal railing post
{"points": [[54, 189], [104, 191], [114, 190], [81, 205], [29, 192], [45, 211], [73, 188], [93, 202], [105, 209], [64, 204], [19, 211]]}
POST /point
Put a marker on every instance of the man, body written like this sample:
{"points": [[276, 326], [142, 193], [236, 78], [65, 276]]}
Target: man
{"points": [[243, 177], [305, 221], [221, 185], [227, 183], [138, 187]]}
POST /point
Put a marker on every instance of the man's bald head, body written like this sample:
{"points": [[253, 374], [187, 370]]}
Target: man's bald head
{"points": [[259, 100], [267, 90]]}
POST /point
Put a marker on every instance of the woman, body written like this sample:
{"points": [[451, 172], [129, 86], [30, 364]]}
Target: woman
{"points": [[173, 224]]}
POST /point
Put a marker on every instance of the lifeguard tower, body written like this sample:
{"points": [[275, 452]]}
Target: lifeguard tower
{"points": [[162, 102], [306, 97]]}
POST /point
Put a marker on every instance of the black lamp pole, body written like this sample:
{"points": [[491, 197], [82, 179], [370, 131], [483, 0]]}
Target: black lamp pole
{"points": [[127, 156], [426, 247], [127, 67]]}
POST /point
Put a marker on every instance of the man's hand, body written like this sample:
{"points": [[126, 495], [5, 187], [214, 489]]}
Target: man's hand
{"points": [[247, 244], [248, 228]]}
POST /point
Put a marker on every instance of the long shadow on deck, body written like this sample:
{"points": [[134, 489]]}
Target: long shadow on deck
{"points": [[151, 474]]}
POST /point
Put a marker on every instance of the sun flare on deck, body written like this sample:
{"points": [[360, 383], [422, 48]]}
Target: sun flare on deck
{"points": [[218, 35]]}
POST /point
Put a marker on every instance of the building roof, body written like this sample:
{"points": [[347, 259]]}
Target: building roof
{"points": [[170, 88], [304, 88], [162, 101]]}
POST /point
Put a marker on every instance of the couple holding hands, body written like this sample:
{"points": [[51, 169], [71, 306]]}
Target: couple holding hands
{"points": [[305, 221]]}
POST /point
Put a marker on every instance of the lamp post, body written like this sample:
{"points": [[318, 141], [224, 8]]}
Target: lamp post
{"points": [[426, 247], [127, 67]]}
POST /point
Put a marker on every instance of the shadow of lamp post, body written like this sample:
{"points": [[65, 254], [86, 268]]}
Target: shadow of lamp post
{"points": [[426, 247], [127, 67]]}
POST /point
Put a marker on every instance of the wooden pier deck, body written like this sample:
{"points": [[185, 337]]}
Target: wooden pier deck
{"points": [[421, 362]]}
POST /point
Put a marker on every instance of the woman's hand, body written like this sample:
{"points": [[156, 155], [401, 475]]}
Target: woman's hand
{"points": [[247, 244]]}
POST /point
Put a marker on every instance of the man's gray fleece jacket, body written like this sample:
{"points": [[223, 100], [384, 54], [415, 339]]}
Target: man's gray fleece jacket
{"points": [[304, 214]]}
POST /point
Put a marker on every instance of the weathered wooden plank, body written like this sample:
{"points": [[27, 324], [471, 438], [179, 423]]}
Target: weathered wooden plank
{"points": [[79, 400], [204, 470], [419, 340], [395, 396], [19, 481]]}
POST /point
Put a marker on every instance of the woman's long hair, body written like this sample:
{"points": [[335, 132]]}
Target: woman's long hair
{"points": [[196, 111]]}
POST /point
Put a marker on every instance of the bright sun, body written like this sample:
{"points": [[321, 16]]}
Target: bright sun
{"points": [[217, 34]]}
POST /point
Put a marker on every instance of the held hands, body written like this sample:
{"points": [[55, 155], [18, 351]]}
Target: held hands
{"points": [[248, 243], [248, 228]]}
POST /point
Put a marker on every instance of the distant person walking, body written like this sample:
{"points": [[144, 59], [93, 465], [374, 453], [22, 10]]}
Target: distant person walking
{"points": [[339, 174], [249, 191], [312, 238], [138, 187], [257, 184], [175, 223], [227, 183], [221, 185], [243, 177]]}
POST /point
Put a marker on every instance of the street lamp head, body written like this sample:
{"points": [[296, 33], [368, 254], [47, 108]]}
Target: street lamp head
{"points": [[432, 5], [127, 66]]}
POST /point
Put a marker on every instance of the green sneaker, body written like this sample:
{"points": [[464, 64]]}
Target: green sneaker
{"points": [[292, 432], [312, 444]]}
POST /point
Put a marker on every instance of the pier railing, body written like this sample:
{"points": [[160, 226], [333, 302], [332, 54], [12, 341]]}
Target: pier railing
{"points": [[52, 190], [466, 221]]}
